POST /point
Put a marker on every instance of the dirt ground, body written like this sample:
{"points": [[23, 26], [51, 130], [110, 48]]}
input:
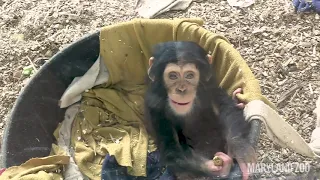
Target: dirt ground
{"points": [[281, 47]]}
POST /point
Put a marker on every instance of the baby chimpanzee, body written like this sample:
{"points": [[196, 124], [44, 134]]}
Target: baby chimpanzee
{"points": [[184, 102]]}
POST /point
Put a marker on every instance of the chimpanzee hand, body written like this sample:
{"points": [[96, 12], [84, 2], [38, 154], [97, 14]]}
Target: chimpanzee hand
{"points": [[223, 170], [234, 97]]}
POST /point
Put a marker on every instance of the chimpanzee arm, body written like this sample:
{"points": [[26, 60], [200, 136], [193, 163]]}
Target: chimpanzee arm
{"points": [[235, 125]]}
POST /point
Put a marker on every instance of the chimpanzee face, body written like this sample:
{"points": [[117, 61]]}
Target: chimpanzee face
{"points": [[177, 67], [181, 81]]}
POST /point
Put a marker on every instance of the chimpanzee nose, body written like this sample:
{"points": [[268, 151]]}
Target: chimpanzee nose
{"points": [[181, 89]]}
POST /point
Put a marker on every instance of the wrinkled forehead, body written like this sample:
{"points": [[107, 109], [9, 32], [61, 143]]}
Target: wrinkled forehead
{"points": [[181, 67]]}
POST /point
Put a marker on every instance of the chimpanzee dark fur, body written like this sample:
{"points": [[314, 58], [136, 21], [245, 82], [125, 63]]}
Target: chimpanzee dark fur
{"points": [[180, 140]]}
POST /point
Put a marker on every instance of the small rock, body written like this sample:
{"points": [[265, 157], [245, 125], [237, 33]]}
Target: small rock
{"points": [[1, 125], [258, 30], [284, 152], [316, 32], [18, 37], [305, 44], [260, 58], [17, 74], [289, 46], [265, 74], [314, 42], [260, 152], [277, 55], [221, 27], [280, 83], [301, 54], [225, 19], [56, 26], [48, 53]]}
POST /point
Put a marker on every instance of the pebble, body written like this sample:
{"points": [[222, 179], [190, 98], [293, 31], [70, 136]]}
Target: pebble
{"points": [[48, 53], [314, 42], [265, 74], [289, 46], [225, 19], [316, 32], [56, 26], [295, 126], [306, 44], [17, 74]]}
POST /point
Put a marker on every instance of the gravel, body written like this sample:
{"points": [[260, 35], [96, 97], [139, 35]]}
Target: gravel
{"points": [[282, 49]]}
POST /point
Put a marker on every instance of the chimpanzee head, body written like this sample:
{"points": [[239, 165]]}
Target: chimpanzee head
{"points": [[181, 67]]}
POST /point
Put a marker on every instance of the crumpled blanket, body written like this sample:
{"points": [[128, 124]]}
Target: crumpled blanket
{"points": [[109, 118], [52, 167], [46, 168], [63, 136], [96, 75]]}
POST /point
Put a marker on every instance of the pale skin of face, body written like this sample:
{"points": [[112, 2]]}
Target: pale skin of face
{"points": [[182, 81]]}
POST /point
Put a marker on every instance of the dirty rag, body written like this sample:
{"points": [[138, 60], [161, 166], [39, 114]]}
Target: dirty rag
{"points": [[152, 8], [97, 74], [71, 171], [241, 3], [278, 130], [46, 168]]}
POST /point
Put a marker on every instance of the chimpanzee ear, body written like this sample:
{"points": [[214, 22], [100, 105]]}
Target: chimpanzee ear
{"points": [[210, 62], [209, 58], [150, 65], [151, 61]]}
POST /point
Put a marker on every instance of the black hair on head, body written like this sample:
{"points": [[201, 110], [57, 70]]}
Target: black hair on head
{"points": [[182, 51]]}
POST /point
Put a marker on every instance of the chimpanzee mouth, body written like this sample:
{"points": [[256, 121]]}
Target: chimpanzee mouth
{"points": [[181, 104]]}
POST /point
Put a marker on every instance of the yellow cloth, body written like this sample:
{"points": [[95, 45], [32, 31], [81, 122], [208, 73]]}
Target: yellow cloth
{"points": [[46, 168], [109, 120]]}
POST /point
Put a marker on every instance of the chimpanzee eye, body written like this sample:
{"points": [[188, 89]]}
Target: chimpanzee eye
{"points": [[189, 75], [173, 76]]}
